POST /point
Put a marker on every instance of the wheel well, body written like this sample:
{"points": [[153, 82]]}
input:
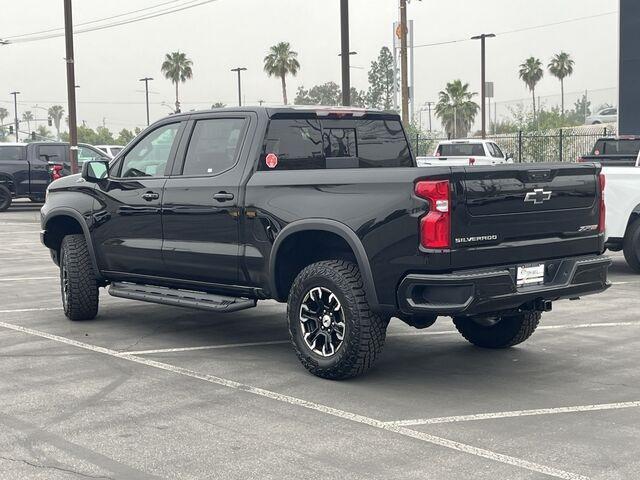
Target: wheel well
{"points": [[7, 182], [301, 249], [59, 227]]}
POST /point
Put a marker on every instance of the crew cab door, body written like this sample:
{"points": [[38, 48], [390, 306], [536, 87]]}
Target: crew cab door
{"points": [[127, 221], [201, 205]]}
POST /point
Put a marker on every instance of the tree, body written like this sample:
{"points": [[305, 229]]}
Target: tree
{"points": [[561, 66], [531, 73], [218, 105], [357, 98], [125, 136], [28, 117], [4, 113], [56, 112], [326, 94], [43, 133], [381, 78], [103, 136], [456, 108], [280, 62], [177, 68]]}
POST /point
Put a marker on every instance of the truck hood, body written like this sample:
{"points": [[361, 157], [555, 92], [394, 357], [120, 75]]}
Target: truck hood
{"points": [[65, 182]]}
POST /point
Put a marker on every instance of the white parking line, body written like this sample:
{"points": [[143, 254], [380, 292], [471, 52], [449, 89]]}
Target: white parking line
{"points": [[397, 334], [26, 279], [22, 310], [516, 413], [345, 415]]}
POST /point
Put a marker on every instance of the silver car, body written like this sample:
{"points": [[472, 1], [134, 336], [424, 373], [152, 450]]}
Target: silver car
{"points": [[606, 115]]}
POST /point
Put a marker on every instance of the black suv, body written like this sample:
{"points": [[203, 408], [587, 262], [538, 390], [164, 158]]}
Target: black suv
{"points": [[325, 209]]}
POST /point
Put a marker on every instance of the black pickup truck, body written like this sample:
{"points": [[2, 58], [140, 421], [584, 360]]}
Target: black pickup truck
{"points": [[326, 210], [621, 151], [27, 168]]}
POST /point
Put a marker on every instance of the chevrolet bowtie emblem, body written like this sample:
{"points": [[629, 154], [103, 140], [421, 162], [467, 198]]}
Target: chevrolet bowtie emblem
{"points": [[538, 196]]}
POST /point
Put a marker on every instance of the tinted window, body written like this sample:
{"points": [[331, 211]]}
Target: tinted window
{"points": [[461, 150], [296, 142], [53, 153], [618, 147], [214, 146], [115, 150], [381, 143], [339, 142], [12, 153], [85, 154], [149, 157], [499, 153]]}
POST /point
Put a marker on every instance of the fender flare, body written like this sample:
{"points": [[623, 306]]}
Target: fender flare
{"points": [[70, 212], [335, 227]]}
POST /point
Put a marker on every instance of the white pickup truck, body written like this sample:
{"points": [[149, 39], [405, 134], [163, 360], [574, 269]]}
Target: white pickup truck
{"points": [[465, 152], [622, 199]]}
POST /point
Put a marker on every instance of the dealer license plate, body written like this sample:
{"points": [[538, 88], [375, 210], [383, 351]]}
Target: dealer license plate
{"points": [[530, 275]]}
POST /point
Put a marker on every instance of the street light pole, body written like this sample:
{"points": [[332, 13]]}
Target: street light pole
{"points": [[15, 112], [239, 69], [344, 37], [482, 38], [146, 91], [404, 64], [71, 86]]}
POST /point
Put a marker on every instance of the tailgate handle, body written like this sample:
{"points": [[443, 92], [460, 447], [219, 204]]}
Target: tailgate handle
{"points": [[537, 175]]}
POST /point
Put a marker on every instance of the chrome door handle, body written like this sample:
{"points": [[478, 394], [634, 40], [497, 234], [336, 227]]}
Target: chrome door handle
{"points": [[223, 196], [150, 196]]}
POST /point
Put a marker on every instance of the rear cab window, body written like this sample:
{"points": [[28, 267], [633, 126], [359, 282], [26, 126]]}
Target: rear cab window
{"points": [[310, 143], [13, 153], [617, 147], [460, 150]]}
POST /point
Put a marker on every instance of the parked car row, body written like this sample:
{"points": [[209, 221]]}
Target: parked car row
{"points": [[26, 169]]}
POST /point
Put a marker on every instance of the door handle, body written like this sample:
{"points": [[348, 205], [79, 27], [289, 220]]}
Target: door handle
{"points": [[223, 196], [150, 196]]}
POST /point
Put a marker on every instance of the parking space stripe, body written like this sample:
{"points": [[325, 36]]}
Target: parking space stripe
{"points": [[353, 417], [516, 413], [23, 310], [397, 334], [26, 279]]}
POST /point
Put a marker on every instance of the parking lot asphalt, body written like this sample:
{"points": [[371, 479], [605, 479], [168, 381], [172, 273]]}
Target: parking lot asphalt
{"points": [[149, 391]]}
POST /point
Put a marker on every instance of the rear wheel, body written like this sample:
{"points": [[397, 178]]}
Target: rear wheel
{"points": [[501, 330], [333, 330], [78, 284], [5, 198], [632, 246]]}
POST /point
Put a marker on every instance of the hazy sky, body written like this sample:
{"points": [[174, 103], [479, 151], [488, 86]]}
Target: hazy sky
{"points": [[229, 33]]}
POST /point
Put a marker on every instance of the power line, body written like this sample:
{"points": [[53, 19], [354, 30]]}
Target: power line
{"points": [[119, 23], [523, 29], [93, 21]]}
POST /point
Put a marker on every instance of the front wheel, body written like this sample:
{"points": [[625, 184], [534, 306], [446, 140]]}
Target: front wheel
{"points": [[632, 246], [333, 330], [5, 198], [500, 330], [78, 284]]}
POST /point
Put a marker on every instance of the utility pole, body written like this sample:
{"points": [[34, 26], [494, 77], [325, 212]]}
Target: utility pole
{"points": [[71, 85], [146, 81], [239, 69], [15, 112], [404, 74], [482, 39], [344, 37]]}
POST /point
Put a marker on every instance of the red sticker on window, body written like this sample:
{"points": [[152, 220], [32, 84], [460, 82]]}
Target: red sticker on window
{"points": [[271, 160]]}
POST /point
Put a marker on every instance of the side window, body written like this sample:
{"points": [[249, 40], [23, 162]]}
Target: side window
{"points": [[495, 150], [297, 144], [214, 146], [86, 154], [52, 153], [149, 157], [381, 143]]}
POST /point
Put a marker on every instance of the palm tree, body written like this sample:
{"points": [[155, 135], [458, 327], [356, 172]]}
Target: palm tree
{"points": [[56, 112], [561, 66], [177, 68], [28, 117], [531, 73], [4, 113], [280, 62], [456, 109]]}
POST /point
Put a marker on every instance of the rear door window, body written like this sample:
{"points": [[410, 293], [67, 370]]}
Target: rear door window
{"points": [[296, 144], [461, 150], [12, 153], [53, 153]]}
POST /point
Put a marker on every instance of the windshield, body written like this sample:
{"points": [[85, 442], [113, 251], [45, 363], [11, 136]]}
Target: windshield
{"points": [[460, 150]]}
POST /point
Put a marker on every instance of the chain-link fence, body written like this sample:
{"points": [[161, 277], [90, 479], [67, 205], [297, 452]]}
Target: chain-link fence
{"points": [[561, 145]]}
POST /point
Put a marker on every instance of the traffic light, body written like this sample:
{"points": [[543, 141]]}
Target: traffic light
{"points": [[33, 135], [10, 129], [49, 122]]}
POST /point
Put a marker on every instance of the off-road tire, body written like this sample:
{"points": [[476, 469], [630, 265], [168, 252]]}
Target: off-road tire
{"points": [[365, 330], [631, 246], [510, 330], [80, 298], [5, 198]]}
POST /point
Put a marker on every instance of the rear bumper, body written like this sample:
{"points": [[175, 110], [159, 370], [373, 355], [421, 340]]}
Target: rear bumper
{"points": [[487, 290]]}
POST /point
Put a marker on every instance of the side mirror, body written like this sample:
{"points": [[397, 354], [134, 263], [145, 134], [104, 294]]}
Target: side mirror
{"points": [[95, 170]]}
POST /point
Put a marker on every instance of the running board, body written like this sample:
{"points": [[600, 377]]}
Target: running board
{"points": [[180, 298]]}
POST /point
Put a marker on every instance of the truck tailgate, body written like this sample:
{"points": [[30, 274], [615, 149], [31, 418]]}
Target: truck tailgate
{"points": [[523, 213]]}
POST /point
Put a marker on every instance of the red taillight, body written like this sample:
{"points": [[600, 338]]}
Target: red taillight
{"points": [[603, 208], [435, 226], [472, 161], [56, 171]]}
